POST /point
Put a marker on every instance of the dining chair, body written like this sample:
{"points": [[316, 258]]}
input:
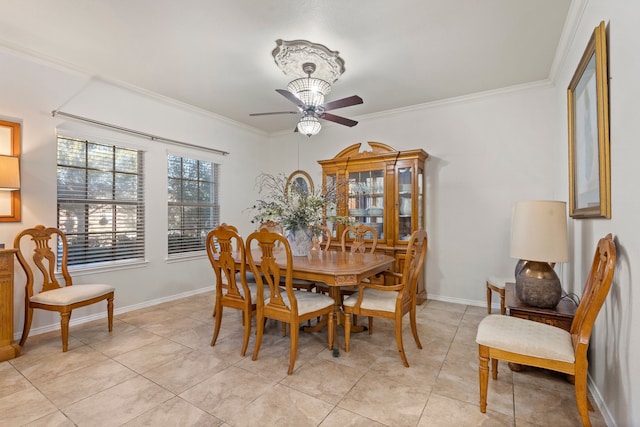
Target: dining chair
{"points": [[323, 241], [43, 290], [282, 303], [392, 301], [226, 252], [299, 284], [364, 238], [530, 343]]}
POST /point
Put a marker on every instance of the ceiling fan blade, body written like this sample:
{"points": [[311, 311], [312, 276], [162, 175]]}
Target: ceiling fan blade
{"points": [[338, 119], [291, 97], [344, 102], [274, 112]]}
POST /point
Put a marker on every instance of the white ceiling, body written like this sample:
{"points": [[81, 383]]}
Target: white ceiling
{"points": [[216, 55]]}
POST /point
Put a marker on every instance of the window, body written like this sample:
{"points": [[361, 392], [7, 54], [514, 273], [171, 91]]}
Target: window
{"points": [[193, 203], [100, 201]]}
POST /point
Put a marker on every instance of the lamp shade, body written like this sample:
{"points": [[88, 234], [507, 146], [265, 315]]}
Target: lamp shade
{"points": [[539, 231], [9, 173], [309, 126]]}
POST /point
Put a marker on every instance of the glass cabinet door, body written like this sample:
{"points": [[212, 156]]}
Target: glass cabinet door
{"points": [[330, 184], [405, 203], [366, 199]]}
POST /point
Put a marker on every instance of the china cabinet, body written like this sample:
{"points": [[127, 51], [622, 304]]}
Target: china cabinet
{"points": [[383, 188]]}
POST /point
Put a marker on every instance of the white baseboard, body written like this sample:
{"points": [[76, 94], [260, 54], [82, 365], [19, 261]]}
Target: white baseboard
{"points": [[599, 402], [460, 301], [121, 310]]}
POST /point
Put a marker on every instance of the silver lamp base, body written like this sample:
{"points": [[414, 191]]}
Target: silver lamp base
{"points": [[538, 285]]}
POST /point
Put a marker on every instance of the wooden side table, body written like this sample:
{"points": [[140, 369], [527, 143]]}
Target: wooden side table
{"points": [[560, 316], [8, 348]]}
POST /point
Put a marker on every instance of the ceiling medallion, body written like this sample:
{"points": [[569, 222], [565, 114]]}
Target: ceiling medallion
{"points": [[290, 56]]}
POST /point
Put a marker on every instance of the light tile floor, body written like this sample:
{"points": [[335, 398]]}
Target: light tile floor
{"points": [[157, 369]]}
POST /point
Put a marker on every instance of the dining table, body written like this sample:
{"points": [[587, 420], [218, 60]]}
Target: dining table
{"points": [[337, 269]]}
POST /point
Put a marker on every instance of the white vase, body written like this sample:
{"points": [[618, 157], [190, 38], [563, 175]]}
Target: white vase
{"points": [[405, 206], [300, 241]]}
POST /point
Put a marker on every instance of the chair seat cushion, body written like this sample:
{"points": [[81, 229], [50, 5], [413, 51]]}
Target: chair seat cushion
{"points": [[499, 282], [71, 294], [374, 299], [525, 337], [308, 301]]}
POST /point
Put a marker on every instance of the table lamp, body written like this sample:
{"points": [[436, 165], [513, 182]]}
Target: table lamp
{"points": [[9, 173], [539, 237]]}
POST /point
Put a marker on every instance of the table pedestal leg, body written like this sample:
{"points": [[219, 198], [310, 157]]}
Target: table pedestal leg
{"points": [[334, 292]]}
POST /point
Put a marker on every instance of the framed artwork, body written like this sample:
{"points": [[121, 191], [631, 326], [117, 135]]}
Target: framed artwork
{"points": [[302, 180], [589, 156], [10, 134]]}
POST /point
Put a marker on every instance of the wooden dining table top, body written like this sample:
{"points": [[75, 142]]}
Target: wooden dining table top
{"points": [[340, 268], [336, 268]]}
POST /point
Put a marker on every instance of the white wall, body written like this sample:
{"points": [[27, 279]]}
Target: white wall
{"points": [[32, 89], [614, 342]]}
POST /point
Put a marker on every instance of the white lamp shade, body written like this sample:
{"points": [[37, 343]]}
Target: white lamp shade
{"points": [[539, 231], [9, 173]]}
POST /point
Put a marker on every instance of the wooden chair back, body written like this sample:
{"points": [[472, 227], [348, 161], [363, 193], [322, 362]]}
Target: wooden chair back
{"points": [[269, 275], [365, 238], [44, 259], [323, 242], [595, 292], [232, 227], [274, 227], [226, 252], [413, 263]]}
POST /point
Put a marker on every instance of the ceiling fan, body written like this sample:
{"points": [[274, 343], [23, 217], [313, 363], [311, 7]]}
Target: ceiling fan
{"points": [[307, 93]]}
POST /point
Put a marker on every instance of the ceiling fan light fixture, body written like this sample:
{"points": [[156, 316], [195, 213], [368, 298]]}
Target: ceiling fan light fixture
{"points": [[310, 90], [309, 126]]}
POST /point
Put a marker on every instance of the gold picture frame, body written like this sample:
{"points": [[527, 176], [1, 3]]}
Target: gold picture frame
{"points": [[302, 180], [10, 201], [589, 154]]}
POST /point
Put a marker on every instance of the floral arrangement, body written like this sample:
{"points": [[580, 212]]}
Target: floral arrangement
{"points": [[292, 206]]}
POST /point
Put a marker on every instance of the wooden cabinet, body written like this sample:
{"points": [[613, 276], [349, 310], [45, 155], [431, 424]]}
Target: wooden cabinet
{"points": [[383, 188], [8, 348]]}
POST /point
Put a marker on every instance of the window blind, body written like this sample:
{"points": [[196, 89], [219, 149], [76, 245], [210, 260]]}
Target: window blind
{"points": [[193, 203], [100, 194]]}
